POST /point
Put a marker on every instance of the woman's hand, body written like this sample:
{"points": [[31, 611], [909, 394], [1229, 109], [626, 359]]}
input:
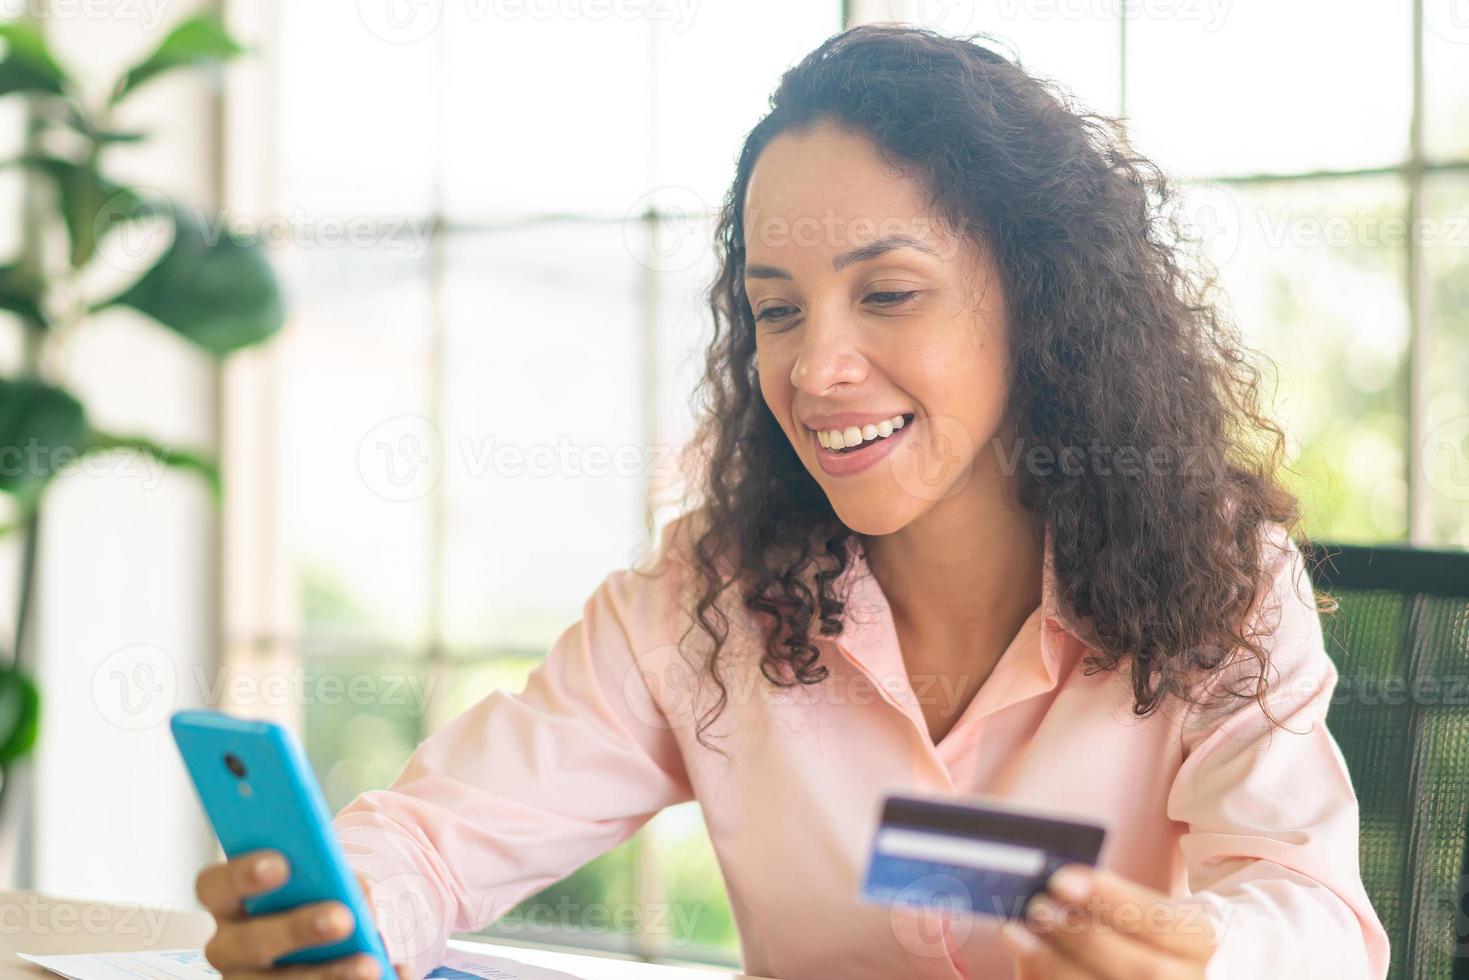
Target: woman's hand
{"points": [[243, 947], [1094, 925]]}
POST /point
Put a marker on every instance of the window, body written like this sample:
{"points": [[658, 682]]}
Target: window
{"points": [[500, 241], [1322, 148]]}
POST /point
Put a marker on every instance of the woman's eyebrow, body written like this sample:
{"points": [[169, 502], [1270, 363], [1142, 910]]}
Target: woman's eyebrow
{"points": [[863, 254]]}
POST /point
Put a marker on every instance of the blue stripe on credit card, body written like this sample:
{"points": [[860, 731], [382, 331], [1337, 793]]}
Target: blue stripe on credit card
{"points": [[970, 857]]}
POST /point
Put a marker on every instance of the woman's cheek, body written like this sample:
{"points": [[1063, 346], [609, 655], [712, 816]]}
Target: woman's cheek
{"points": [[775, 388]]}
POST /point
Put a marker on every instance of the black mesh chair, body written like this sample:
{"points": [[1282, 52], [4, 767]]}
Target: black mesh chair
{"points": [[1400, 640]]}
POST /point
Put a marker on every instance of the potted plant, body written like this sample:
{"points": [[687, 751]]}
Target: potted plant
{"points": [[214, 289]]}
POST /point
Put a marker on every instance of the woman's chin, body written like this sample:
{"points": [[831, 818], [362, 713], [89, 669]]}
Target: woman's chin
{"points": [[874, 517]]}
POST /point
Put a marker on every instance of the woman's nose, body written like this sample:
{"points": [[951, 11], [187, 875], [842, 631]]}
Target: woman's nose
{"points": [[828, 355]]}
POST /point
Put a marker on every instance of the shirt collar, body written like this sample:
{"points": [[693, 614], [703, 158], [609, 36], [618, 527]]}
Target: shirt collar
{"points": [[1029, 666]]}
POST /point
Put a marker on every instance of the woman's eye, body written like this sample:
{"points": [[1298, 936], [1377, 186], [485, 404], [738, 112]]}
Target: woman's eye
{"points": [[885, 298], [769, 313], [893, 298]]}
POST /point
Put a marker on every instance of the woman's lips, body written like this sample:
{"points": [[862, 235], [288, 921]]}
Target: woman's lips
{"points": [[869, 454]]}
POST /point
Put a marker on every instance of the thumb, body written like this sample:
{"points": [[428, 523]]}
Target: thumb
{"points": [[1023, 972]]}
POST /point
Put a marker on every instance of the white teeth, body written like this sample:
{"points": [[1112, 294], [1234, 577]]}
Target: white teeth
{"points": [[835, 439]]}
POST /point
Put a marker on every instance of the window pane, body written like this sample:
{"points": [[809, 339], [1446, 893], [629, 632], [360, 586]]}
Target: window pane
{"points": [[545, 113], [1446, 79], [472, 681], [683, 266], [1446, 443], [1314, 272], [1075, 44], [357, 458], [596, 906], [692, 920], [363, 715], [544, 429], [357, 130], [1255, 86], [715, 71]]}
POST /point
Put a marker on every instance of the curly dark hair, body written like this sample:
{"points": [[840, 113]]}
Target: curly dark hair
{"points": [[1116, 340]]}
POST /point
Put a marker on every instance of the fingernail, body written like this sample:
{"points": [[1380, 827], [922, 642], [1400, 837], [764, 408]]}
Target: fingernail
{"points": [[268, 867], [1019, 938], [1070, 884], [333, 920], [1042, 913]]}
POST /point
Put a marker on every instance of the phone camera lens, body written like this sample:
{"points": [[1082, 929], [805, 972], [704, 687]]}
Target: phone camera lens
{"points": [[235, 765]]}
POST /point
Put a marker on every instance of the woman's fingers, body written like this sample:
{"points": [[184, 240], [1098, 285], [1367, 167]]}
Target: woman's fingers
{"points": [[1105, 952], [1038, 961], [257, 941], [221, 888], [244, 947], [1108, 901]]}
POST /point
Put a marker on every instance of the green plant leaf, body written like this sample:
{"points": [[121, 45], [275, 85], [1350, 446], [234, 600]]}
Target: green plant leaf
{"points": [[21, 297], [119, 136], [200, 40], [214, 288], [91, 204], [28, 65], [42, 428], [188, 460], [20, 714]]}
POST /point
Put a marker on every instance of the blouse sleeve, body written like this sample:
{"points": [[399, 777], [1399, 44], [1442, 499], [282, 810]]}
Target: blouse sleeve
{"points": [[521, 789], [1271, 844]]}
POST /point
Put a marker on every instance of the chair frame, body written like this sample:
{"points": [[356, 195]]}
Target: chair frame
{"points": [[1416, 573]]}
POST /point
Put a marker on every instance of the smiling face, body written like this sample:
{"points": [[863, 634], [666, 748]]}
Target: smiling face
{"points": [[875, 326]]}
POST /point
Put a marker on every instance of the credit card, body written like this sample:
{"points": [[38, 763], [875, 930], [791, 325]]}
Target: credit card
{"points": [[972, 856]]}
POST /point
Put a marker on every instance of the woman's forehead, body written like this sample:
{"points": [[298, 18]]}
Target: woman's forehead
{"points": [[828, 174]]}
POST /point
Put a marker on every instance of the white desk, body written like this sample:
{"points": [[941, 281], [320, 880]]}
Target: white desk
{"points": [[31, 923]]}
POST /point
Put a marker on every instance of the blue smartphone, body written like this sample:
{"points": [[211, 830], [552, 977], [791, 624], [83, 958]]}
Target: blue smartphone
{"points": [[258, 791]]}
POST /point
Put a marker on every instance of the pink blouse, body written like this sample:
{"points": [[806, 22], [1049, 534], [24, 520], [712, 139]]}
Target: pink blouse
{"points": [[1252, 828]]}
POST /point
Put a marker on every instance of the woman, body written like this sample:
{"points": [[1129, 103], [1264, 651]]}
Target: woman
{"points": [[989, 507]]}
